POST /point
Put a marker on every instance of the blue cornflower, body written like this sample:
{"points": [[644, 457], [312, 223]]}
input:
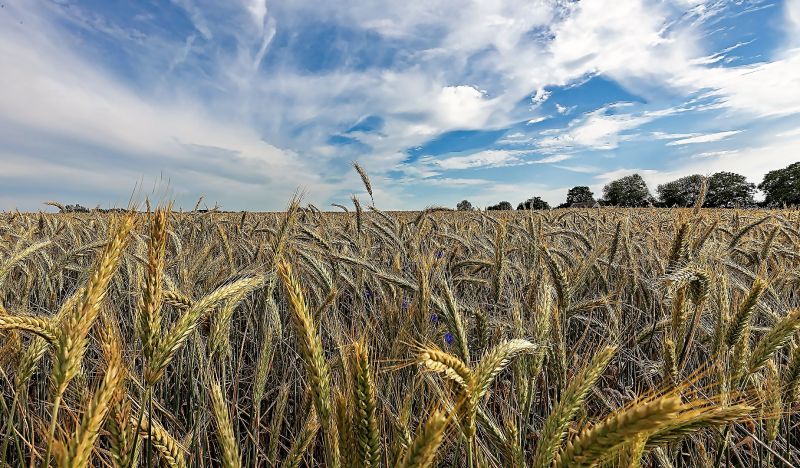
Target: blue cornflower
{"points": [[439, 254], [434, 318], [406, 303], [448, 338]]}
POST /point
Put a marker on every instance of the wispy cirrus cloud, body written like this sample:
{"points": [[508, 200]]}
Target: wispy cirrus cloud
{"points": [[704, 138], [597, 130], [715, 154], [493, 158]]}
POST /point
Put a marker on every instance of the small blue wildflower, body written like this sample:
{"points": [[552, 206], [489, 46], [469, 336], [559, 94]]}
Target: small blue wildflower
{"points": [[439, 254], [434, 318], [448, 338], [368, 293], [406, 303]]}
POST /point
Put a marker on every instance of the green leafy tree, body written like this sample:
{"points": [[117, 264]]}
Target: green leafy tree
{"points": [[579, 194], [535, 203], [464, 205], [628, 191], [502, 206], [782, 186], [728, 189], [681, 192]]}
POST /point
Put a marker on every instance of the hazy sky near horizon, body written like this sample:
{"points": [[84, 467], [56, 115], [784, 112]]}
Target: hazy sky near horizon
{"points": [[246, 101]]}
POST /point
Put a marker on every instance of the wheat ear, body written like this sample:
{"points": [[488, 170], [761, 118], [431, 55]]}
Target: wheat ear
{"points": [[80, 446], [150, 309], [71, 340], [225, 435], [365, 418], [168, 447], [776, 338], [302, 442], [423, 449], [742, 318], [365, 179], [444, 363], [594, 445], [38, 326], [183, 327]]}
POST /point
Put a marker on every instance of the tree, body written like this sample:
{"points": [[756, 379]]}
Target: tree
{"points": [[535, 203], [681, 192], [727, 190], [580, 194], [76, 208], [782, 186], [464, 205], [503, 205], [628, 191]]}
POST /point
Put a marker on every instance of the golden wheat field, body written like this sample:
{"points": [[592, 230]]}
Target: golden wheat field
{"points": [[579, 337]]}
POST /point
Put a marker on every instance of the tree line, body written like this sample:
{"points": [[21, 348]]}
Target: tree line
{"points": [[723, 189]]}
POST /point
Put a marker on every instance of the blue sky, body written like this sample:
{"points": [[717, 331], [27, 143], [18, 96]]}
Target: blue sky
{"points": [[245, 101]]}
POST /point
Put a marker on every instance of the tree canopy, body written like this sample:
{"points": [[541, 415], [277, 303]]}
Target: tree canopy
{"points": [[782, 186], [579, 194], [627, 191], [724, 190], [728, 189], [681, 192], [535, 203], [502, 206], [464, 205]]}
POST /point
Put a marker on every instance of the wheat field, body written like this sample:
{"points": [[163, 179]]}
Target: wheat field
{"points": [[578, 337]]}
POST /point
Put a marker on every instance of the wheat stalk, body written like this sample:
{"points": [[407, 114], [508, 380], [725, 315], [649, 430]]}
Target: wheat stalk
{"points": [[314, 361], [555, 426]]}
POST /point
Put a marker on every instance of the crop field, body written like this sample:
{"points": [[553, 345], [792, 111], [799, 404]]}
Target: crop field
{"points": [[572, 337]]}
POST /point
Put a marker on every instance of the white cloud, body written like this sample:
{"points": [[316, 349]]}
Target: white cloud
{"points": [[553, 159], [539, 97], [704, 138], [672, 136], [451, 182], [595, 130], [789, 133], [581, 169], [715, 154], [563, 110], [769, 89], [793, 22], [461, 106], [492, 158], [536, 120]]}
